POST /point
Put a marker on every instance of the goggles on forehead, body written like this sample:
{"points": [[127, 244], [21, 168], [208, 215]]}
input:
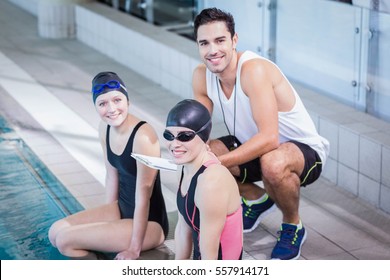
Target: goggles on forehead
{"points": [[113, 84], [184, 136]]}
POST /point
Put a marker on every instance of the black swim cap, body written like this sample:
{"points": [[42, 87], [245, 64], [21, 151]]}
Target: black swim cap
{"points": [[191, 114], [105, 82]]}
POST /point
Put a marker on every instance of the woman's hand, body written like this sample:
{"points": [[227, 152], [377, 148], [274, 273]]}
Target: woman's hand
{"points": [[127, 255]]}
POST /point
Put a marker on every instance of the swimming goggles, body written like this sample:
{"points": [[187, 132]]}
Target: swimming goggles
{"points": [[184, 136], [110, 84]]}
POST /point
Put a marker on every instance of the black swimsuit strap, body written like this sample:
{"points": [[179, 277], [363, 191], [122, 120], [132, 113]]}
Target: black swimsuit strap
{"points": [[137, 126]]}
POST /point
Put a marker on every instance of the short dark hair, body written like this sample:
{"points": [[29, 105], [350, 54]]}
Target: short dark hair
{"points": [[211, 15]]}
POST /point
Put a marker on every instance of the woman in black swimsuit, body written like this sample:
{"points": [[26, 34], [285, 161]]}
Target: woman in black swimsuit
{"points": [[134, 218]]}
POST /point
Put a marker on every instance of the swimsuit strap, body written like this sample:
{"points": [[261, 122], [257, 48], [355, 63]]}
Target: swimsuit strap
{"points": [[210, 162], [135, 129], [214, 160]]}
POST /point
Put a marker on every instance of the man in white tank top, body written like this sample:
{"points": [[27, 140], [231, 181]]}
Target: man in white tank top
{"points": [[271, 135]]}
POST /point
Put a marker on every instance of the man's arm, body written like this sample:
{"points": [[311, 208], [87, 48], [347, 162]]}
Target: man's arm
{"points": [[257, 77], [199, 87]]}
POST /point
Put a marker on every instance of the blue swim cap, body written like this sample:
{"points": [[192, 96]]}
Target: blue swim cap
{"points": [[191, 114], [105, 82]]}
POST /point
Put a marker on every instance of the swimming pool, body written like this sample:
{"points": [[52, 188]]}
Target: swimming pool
{"points": [[31, 200]]}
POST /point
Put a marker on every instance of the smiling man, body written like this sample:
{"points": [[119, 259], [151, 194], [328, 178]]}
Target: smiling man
{"points": [[271, 137]]}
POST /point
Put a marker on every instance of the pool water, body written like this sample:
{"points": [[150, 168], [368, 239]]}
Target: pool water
{"points": [[31, 199]]}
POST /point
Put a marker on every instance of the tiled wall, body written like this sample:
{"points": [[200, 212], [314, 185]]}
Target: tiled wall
{"points": [[359, 158], [142, 47]]}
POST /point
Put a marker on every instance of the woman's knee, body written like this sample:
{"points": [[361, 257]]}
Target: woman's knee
{"points": [[63, 243], [54, 230], [154, 236]]}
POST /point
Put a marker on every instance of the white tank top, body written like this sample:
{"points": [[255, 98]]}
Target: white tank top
{"points": [[293, 125]]}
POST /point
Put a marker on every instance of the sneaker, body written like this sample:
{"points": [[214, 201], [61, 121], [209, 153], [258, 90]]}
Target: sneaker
{"points": [[252, 214], [289, 243]]}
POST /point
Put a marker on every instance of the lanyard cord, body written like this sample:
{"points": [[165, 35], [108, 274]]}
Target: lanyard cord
{"points": [[223, 112]]}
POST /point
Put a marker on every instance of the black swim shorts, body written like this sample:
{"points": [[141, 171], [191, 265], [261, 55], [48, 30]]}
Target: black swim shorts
{"points": [[251, 171]]}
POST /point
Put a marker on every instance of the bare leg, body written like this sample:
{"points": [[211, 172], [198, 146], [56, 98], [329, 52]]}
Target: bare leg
{"points": [[250, 191], [112, 236], [105, 213], [281, 169], [99, 229]]}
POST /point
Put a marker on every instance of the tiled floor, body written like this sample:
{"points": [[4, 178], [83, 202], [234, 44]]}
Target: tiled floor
{"points": [[44, 91]]}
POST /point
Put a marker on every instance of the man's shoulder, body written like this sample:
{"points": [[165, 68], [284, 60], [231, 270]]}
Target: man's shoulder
{"points": [[200, 69], [247, 55], [250, 61], [252, 56]]}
